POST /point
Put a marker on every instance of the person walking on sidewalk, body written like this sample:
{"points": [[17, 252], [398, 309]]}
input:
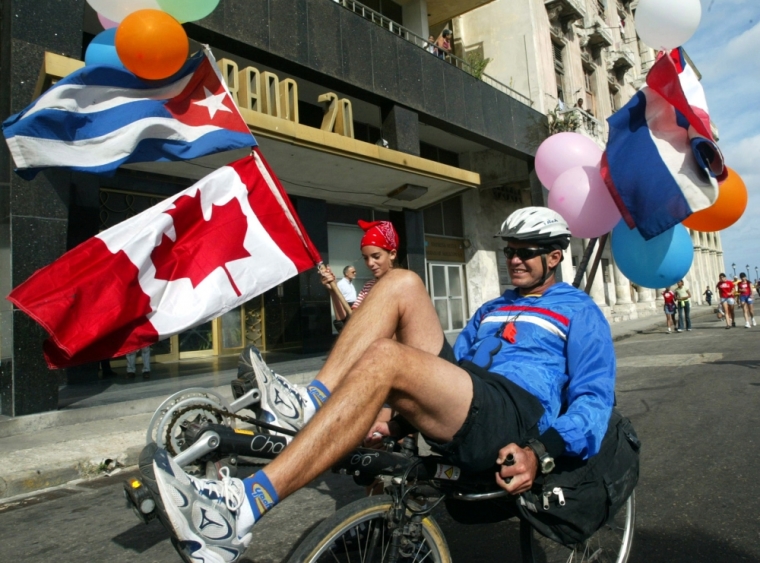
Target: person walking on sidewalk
{"points": [[669, 307], [683, 297], [745, 298], [726, 292], [708, 295]]}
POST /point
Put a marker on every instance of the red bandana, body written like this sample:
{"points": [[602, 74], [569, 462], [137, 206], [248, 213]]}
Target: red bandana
{"points": [[380, 234]]}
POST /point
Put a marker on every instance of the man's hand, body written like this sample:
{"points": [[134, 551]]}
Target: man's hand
{"points": [[523, 472], [379, 431]]}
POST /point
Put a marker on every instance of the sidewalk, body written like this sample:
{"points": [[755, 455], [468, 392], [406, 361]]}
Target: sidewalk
{"points": [[105, 426]]}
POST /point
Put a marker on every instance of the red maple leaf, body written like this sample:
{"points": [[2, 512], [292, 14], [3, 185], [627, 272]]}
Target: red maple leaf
{"points": [[201, 246]]}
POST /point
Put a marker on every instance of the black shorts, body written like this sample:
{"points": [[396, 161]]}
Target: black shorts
{"points": [[501, 413]]}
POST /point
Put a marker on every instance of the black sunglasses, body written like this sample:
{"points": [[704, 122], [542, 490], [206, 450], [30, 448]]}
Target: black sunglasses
{"points": [[524, 253]]}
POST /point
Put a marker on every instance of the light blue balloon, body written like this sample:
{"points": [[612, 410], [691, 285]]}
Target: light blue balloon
{"points": [[188, 10], [101, 50], [655, 263]]}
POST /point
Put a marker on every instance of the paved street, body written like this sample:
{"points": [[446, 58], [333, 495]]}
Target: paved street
{"points": [[692, 396]]}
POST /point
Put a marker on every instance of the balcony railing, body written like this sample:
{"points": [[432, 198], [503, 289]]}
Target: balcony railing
{"points": [[589, 125], [393, 27]]}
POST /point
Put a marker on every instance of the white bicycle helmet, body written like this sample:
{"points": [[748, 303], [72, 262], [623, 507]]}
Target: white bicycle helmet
{"points": [[540, 225]]}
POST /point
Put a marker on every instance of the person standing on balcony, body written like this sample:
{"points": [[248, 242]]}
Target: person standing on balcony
{"points": [[431, 48], [444, 43]]}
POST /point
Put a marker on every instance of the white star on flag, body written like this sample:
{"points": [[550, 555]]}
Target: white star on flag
{"points": [[213, 103]]}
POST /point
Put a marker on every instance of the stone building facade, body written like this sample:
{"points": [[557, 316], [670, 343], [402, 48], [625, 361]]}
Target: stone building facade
{"points": [[578, 61]]}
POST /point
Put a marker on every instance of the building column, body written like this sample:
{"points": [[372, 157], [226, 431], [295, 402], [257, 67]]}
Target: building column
{"points": [[316, 329], [35, 214], [565, 271], [415, 17], [624, 308], [401, 128], [646, 305]]}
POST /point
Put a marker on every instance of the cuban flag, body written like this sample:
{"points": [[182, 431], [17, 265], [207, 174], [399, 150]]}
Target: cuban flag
{"points": [[100, 117], [188, 259], [661, 163]]}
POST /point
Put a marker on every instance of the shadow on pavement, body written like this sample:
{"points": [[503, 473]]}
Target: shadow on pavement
{"points": [[140, 537], [685, 546]]}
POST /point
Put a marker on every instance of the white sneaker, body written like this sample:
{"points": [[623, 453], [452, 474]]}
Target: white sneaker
{"points": [[212, 520], [746, 325], [753, 322], [282, 403], [669, 329]]}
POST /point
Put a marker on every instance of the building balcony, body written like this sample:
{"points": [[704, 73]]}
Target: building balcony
{"points": [[600, 34], [588, 125], [567, 11], [620, 60]]}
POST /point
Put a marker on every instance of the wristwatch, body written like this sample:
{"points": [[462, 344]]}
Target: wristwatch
{"points": [[545, 461]]}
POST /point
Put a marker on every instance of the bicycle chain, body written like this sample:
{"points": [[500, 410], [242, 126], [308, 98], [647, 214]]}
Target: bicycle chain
{"points": [[221, 413]]}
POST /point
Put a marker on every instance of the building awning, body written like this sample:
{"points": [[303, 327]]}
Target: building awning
{"points": [[314, 163]]}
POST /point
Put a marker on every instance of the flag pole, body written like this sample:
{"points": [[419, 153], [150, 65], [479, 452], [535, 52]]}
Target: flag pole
{"points": [[334, 288]]}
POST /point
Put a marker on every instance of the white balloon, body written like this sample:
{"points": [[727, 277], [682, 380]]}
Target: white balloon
{"points": [[667, 24], [117, 10]]}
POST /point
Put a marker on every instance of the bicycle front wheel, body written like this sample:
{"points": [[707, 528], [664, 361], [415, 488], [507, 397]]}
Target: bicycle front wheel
{"points": [[359, 533], [611, 544]]}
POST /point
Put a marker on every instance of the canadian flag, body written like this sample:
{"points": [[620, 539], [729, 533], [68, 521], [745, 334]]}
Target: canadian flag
{"points": [[221, 242]]}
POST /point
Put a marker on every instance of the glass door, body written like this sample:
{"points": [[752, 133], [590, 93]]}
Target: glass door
{"points": [[447, 292]]}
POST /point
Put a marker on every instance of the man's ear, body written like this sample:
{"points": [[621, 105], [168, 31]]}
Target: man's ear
{"points": [[554, 258]]}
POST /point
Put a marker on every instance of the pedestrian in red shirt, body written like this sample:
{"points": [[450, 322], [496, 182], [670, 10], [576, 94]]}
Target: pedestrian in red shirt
{"points": [[669, 307], [745, 298], [726, 293]]}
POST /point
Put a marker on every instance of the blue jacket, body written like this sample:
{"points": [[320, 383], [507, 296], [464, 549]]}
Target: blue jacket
{"points": [[561, 353]]}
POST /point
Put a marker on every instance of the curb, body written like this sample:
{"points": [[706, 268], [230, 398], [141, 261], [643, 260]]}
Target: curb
{"points": [[31, 481]]}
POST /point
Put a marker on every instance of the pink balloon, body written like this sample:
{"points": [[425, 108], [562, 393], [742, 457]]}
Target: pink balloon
{"points": [[106, 23], [582, 198], [563, 151]]}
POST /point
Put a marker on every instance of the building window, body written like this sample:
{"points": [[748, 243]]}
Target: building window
{"points": [[601, 8], [437, 154], [445, 218], [559, 70], [588, 81]]}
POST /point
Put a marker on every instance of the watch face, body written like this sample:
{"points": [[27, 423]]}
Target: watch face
{"points": [[547, 465]]}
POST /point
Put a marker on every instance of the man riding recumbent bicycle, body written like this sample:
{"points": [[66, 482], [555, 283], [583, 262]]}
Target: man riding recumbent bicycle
{"points": [[519, 413]]}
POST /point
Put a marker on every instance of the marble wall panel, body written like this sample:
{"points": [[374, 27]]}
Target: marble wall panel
{"points": [[35, 387], [453, 90], [385, 69]]}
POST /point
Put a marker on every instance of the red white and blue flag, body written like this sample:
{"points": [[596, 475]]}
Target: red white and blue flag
{"points": [[661, 163], [99, 118], [190, 258]]}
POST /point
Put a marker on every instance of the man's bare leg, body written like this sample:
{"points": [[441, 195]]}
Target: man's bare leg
{"points": [[433, 394], [366, 368], [399, 306]]}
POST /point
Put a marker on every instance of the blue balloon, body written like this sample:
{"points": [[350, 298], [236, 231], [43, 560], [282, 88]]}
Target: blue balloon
{"points": [[655, 263], [102, 51]]}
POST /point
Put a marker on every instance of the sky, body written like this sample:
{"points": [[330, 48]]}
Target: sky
{"points": [[726, 51]]}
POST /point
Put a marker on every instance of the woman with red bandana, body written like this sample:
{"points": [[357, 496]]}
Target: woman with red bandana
{"points": [[379, 247]]}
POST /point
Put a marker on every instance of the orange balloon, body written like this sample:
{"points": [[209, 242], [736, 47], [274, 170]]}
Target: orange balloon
{"points": [[151, 44], [730, 205]]}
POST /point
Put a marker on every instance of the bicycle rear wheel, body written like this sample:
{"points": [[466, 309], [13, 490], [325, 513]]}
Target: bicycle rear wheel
{"points": [[359, 533], [611, 544]]}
